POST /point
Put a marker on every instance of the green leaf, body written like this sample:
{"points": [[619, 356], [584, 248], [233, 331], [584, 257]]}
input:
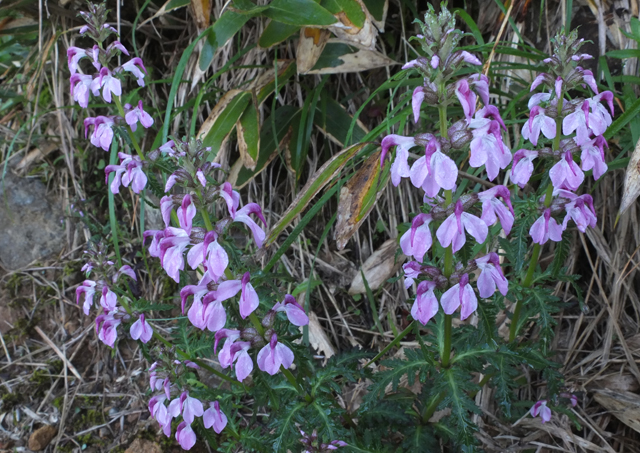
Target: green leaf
{"points": [[285, 71], [335, 122], [299, 12], [475, 31], [275, 33], [249, 135], [376, 8], [624, 53], [226, 121], [221, 31], [330, 57], [353, 11], [174, 4], [622, 120]]}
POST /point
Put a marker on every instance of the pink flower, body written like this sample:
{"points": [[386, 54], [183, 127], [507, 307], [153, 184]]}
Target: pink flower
{"points": [[491, 276], [187, 406], [460, 294], [109, 84], [159, 411], [106, 325], [214, 417], [80, 89], [538, 122], [102, 133], [487, 147], [493, 209], [138, 114], [239, 355], [592, 156], [588, 78], [540, 408], [197, 291], [185, 213], [172, 247], [128, 172], [141, 330], [242, 216], [434, 170], [416, 103], [412, 270], [224, 356], [185, 436], [231, 197], [295, 313], [580, 210], [417, 240], [88, 288], [135, 67], [108, 300], [545, 228], [216, 256], [522, 166], [566, 174], [466, 97], [451, 231], [124, 270], [400, 166], [156, 237], [248, 298], [273, 355], [426, 305], [74, 54]]}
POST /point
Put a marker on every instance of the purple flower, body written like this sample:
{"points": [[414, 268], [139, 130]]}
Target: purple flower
{"points": [[128, 172], [540, 408], [545, 228], [74, 54], [138, 114], [102, 133], [172, 247], [425, 306], [487, 147], [417, 240], [480, 84], [522, 166], [470, 58], [580, 209], [460, 294], [124, 270], [197, 291], [185, 436], [141, 330], [248, 298], [224, 356], [109, 84], [80, 89], [88, 288], [108, 300], [273, 355], [400, 166], [242, 215], [295, 313], [451, 231], [592, 156], [412, 270], [434, 170], [588, 78], [216, 256], [491, 276], [493, 209], [566, 174], [466, 97], [239, 355], [159, 411], [187, 406], [135, 67], [231, 197], [185, 213], [106, 325], [538, 122], [416, 103], [214, 417], [156, 238]]}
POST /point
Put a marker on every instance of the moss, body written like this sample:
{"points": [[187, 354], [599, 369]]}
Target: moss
{"points": [[10, 400]]}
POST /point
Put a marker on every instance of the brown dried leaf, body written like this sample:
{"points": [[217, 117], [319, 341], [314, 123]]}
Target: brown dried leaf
{"points": [[354, 195], [318, 338], [310, 47], [348, 31], [631, 181], [202, 13], [624, 405], [380, 266]]}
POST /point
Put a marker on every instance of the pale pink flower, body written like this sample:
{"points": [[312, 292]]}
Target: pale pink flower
{"points": [[400, 166], [274, 355], [138, 114], [88, 288], [295, 313], [81, 88], [102, 135], [566, 174], [426, 305], [540, 408], [141, 330], [214, 417], [451, 231], [460, 295], [545, 228], [185, 436], [135, 67], [491, 276], [522, 168], [417, 240]]}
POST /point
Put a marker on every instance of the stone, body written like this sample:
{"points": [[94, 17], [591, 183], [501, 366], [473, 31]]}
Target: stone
{"points": [[31, 223], [41, 437], [143, 446]]}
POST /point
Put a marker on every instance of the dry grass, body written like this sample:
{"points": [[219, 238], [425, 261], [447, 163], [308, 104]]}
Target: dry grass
{"points": [[53, 370]]}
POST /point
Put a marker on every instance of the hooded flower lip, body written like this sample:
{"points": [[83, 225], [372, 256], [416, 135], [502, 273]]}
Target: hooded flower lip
{"points": [[434, 170], [186, 406], [417, 240], [592, 157], [493, 209], [273, 355], [538, 122], [88, 288], [522, 168], [426, 305], [110, 85], [141, 330], [566, 174], [451, 231], [460, 295], [295, 313], [215, 255], [540, 408], [136, 67], [138, 114], [242, 216], [81, 89], [108, 300], [239, 355], [185, 436], [248, 298], [214, 418], [400, 166], [579, 209], [172, 247], [102, 131], [129, 172]]}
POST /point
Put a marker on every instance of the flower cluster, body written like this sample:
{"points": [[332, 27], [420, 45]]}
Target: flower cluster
{"points": [[183, 405], [312, 444]]}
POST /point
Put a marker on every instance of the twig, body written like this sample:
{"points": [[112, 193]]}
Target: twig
{"points": [[60, 354]]}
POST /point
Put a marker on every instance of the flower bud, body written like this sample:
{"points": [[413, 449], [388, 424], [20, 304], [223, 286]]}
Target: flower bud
{"points": [[268, 319], [248, 334]]}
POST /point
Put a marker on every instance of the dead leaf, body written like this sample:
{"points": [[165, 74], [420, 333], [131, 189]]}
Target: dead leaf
{"points": [[318, 338], [535, 425], [380, 23], [202, 13], [248, 128], [360, 59], [624, 405], [380, 266], [36, 154], [310, 47], [357, 199], [631, 181], [222, 104], [347, 31]]}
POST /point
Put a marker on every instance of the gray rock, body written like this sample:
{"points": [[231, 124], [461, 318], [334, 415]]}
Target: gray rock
{"points": [[31, 226]]}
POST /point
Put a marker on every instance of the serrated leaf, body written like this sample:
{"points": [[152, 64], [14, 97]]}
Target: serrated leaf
{"points": [[222, 31], [275, 32], [299, 12], [248, 128], [316, 182]]}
